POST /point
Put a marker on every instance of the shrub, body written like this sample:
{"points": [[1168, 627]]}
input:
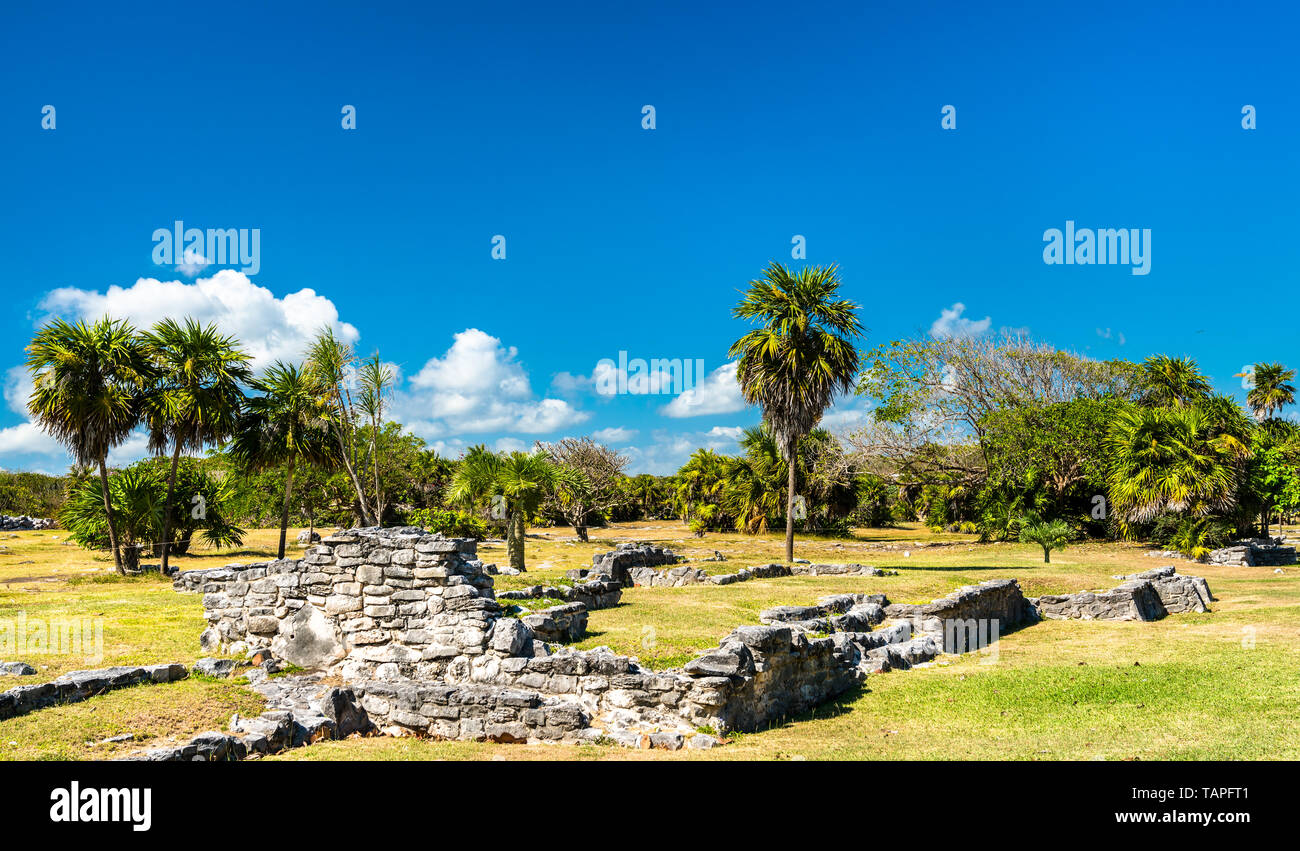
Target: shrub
{"points": [[453, 524]]}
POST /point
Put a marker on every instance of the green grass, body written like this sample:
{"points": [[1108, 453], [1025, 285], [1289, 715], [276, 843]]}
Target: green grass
{"points": [[1057, 690]]}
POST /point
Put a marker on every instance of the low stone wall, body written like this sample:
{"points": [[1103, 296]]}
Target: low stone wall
{"points": [[1145, 596], [999, 600], [81, 685], [23, 523], [840, 570], [596, 594], [673, 577], [472, 711], [300, 710], [560, 624], [682, 575], [836, 613], [1254, 552], [618, 562]]}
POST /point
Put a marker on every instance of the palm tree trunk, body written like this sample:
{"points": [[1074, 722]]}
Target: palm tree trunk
{"points": [[374, 455], [108, 517], [167, 509], [356, 483], [789, 504], [284, 513], [515, 539]]}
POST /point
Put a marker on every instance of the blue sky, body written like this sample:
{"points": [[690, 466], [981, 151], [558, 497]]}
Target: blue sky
{"points": [[525, 120]]}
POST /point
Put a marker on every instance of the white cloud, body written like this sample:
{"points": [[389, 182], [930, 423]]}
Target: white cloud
{"points": [[717, 394], [478, 385], [18, 389], [28, 439], [614, 435], [269, 328], [193, 263], [951, 323], [842, 418], [668, 451]]}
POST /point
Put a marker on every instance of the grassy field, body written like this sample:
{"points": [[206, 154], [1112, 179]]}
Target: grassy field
{"points": [[1222, 685]]}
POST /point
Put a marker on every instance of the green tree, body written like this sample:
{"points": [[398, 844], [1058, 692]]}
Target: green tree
{"points": [[1271, 389], [283, 427], [197, 398], [1050, 536], [522, 481], [1187, 460], [375, 383], [1169, 381], [88, 381], [801, 357], [330, 365]]}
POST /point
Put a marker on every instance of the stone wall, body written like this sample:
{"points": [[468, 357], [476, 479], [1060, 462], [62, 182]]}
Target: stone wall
{"points": [[81, 685], [1145, 596], [618, 562], [596, 594], [999, 600], [1254, 552], [371, 604], [23, 523]]}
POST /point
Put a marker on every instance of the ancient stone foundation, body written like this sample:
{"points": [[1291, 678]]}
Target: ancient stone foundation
{"points": [[1145, 596], [410, 623]]}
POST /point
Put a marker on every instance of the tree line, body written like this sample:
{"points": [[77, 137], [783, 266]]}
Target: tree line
{"points": [[1000, 436]]}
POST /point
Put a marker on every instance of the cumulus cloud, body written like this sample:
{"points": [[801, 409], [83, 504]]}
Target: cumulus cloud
{"points": [[951, 323], [478, 385], [268, 327], [614, 435], [668, 451], [717, 394]]}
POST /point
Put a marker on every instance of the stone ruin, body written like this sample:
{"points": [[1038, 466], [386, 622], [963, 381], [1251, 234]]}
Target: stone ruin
{"points": [[410, 623], [23, 523], [1145, 596], [1248, 552]]}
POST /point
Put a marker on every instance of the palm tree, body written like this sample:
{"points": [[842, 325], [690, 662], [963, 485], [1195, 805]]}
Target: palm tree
{"points": [[1184, 460], [330, 367], [375, 379], [522, 480], [197, 399], [1050, 536], [700, 481], [799, 360], [87, 386], [1271, 389], [1172, 381], [284, 426]]}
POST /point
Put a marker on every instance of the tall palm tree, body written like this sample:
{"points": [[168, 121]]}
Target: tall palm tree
{"points": [[88, 381], [1183, 460], [1271, 389], [283, 427], [522, 479], [801, 357], [375, 383], [1172, 381], [197, 399], [331, 366]]}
